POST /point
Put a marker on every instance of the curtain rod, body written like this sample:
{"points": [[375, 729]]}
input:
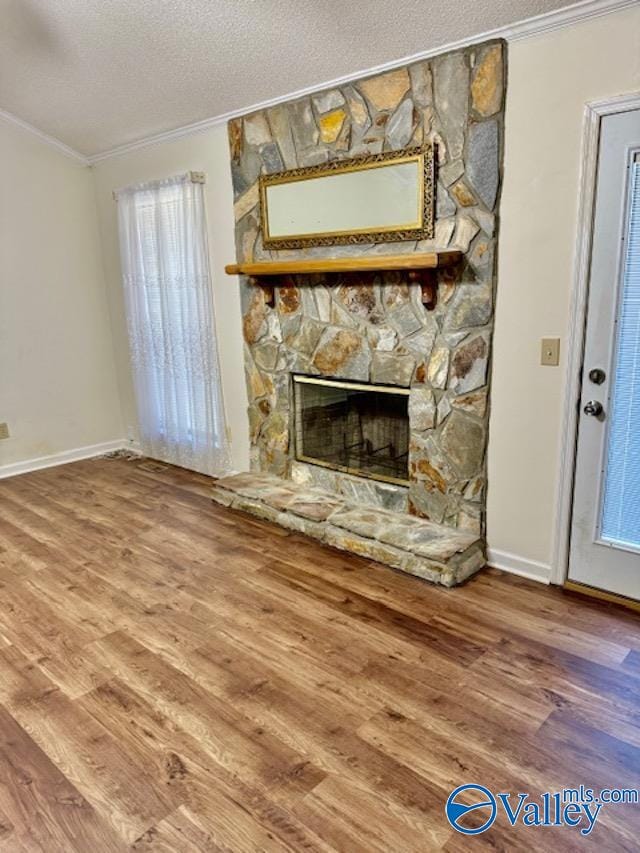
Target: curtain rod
{"points": [[194, 177]]}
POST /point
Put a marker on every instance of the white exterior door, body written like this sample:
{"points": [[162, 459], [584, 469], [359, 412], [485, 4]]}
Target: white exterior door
{"points": [[605, 532]]}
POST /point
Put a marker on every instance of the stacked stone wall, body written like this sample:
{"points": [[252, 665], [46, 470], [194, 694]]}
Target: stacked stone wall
{"points": [[374, 327]]}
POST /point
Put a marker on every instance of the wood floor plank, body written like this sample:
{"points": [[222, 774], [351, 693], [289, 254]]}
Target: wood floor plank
{"points": [[557, 633], [307, 720], [91, 759], [238, 815], [235, 742], [518, 766], [180, 831], [41, 809], [552, 679], [176, 676], [375, 614], [354, 817]]}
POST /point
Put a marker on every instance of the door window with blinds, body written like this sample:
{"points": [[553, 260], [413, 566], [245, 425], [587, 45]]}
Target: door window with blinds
{"points": [[169, 306], [604, 551], [620, 520]]}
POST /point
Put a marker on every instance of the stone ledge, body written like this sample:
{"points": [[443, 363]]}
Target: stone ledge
{"points": [[431, 551]]}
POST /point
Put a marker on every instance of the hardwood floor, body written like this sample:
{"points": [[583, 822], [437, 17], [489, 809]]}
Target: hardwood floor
{"points": [[175, 676]]}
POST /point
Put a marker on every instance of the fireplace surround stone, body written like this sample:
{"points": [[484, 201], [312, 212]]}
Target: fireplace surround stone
{"points": [[373, 327]]}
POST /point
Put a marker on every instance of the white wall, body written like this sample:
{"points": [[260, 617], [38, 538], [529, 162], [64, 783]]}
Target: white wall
{"points": [[551, 78], [58, 390], [207, 152]]}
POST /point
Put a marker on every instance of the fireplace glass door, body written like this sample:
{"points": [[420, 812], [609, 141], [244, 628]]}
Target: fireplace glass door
{"points": [[357, 428]]}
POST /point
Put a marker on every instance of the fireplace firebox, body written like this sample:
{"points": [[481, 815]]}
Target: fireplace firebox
{"points": [[357, 428]]}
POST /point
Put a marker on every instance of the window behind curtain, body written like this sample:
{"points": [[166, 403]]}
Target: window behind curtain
{"points": [[169, 307]]}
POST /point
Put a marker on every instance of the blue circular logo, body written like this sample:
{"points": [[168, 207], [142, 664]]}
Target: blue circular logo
{"points": [[456, 811]]}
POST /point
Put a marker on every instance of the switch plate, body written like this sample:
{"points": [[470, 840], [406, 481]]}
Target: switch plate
{"points": [[550, 352], [4, 431]]}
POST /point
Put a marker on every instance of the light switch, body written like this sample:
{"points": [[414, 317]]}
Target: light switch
{"points": [[550, 352], [4, 431]]}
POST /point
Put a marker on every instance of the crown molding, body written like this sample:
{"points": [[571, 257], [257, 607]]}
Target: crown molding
{"points": [[528, 28], [51, 141], [549, 21]]}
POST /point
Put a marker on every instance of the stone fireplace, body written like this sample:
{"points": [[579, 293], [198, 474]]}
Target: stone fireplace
{"points": [[371, 331]]}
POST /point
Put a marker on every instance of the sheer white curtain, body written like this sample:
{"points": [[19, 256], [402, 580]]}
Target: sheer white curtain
{"points": [[169, 305]]}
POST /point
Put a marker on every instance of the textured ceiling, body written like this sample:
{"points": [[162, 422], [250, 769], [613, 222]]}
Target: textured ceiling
{"points": [[101, 73]]}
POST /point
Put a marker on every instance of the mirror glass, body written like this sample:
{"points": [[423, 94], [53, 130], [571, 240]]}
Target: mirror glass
{"points": [[351, 201]]}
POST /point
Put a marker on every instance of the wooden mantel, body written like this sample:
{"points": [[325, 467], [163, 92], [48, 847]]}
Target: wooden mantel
{"points": [[362, 263], [419, 265]]}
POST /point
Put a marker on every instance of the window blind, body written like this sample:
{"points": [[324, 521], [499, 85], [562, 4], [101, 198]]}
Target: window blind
{"points": [[620, 521]]}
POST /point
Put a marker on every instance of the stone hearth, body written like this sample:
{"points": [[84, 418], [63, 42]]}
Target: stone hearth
{"points": [[431, 551]]}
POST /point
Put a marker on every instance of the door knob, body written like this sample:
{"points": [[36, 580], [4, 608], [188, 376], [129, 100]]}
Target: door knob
{"points": [[593, 408]]}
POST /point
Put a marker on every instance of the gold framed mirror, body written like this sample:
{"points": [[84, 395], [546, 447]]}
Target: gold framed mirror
{"points": [[377, 198]]}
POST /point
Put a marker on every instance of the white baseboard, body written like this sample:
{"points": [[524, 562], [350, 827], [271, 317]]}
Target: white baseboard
{"points": [[14, 468], [530, 569]]}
